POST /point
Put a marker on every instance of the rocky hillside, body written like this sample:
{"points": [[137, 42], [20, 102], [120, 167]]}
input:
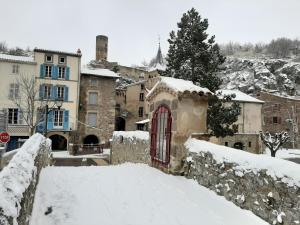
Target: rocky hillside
{"points": [[253, 75]]}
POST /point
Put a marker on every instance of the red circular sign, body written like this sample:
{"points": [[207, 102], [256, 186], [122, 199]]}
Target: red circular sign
{"points": [[4, 137]]}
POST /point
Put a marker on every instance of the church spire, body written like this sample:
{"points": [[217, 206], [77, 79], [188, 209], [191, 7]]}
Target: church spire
{"points": [[159, 57]]}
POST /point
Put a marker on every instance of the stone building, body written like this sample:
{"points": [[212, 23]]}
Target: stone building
{"points": [[248, 125], [281, 114], [97, 106], [177, 110]]}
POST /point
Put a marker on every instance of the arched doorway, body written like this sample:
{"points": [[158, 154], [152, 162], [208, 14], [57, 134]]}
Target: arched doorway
{"points": [[161, 135], [238, 145], [59, 142], [120, 124], [91, 140]]}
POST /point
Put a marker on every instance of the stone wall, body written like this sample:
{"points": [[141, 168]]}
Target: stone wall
{"points": [[273, 199], [130, 146], [18, 180]]}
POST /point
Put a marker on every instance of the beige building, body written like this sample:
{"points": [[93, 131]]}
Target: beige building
{"points": [[97, 106], [12, 120], [58, 75], [248, 125], [177, 110]]}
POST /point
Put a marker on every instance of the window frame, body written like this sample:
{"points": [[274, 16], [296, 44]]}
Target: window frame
{"points": [[61, 75], [47, 89], [14, 91], [62, 57], [15, 69], [60, 92], [48, 72], [141, 111], [13, 116], [58, 118], [89, 98], [142, 97], [88, 119], [46, 58]]}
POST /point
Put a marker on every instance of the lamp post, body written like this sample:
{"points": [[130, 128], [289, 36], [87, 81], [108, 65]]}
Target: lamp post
{"points": [[57, 104]]}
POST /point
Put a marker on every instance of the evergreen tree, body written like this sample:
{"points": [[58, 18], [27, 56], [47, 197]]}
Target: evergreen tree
{"points": [[195, 56]]}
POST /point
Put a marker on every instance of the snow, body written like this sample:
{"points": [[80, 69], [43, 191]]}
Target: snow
{"points": [[245, 161], [65, 154], [143, 121], [132, 194], [285, 153], [157, 66], [16, 58], [240, 96], [179, 85], [142, 135], [99, 72], [17, 175]]}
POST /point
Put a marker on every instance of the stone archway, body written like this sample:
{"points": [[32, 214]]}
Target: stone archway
{"points": [[120, 124], [91, 140], [59, 142]]}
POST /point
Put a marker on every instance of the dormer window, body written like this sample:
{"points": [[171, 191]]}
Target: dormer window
{"points": [[49, 58], [61, 59]]}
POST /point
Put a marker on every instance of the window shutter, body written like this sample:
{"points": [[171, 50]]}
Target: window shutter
{"points": [[50, 120], [55, 92], [52, 92], [66, 120], [66, 94], [67, 73], [54, 72], [41, 92], [42, 71]]}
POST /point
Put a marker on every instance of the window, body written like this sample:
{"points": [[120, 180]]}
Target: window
{"points": [[13, 116], [47, 91], [15, 69], [93, 98], [118, 107], [60, 92], [140, 126], [13, 91], [61, 72], [61, 60], [235, 128], [142, 86], [93, 82], [49, 58], [249, 144], [276, 120], [92, 119], [58, 118], [142, 97], [141, 111], [48, 71], [226, 143]]}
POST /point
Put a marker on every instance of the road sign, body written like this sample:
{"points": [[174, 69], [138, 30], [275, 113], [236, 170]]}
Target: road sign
{"points": [[4, 137]]}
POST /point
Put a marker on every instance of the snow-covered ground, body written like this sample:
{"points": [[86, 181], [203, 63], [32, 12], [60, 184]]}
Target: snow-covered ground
{"points": [[134, 194], [65, 154], [285, 153]]}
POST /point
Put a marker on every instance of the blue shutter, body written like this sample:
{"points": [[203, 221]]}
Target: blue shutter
{"points": [[67, 73], [55, 93], [52, 92], [54, 72], [50, 120], [66, 120], [66, 94], [41, 122], [42, 71], [41, 92]]}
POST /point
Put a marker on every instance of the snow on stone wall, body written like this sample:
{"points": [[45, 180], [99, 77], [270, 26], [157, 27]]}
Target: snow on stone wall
{"points": [[19, 178], [130, 146], [267, 186]]}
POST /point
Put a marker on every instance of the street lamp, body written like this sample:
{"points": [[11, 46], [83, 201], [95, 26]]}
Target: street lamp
{"points": [[57, 104]]}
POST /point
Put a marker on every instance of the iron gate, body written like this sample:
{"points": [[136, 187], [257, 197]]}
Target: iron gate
{"points": [[161, 135]]}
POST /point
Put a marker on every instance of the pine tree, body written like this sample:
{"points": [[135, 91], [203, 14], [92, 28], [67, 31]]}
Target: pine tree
{"points": [[195, 56]]}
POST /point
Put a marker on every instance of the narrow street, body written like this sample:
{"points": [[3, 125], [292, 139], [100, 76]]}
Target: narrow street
{"points": [[134, 194]]}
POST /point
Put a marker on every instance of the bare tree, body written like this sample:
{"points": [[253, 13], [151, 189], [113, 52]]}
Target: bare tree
{"points": [[274, 142], [27, 100]]}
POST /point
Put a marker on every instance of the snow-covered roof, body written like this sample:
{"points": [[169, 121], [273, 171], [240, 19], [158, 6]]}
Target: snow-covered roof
{"points": [[157, 67], [77, 54], [179, 86], [15, 58], [99, 72], [240, 96], [143, 121]]}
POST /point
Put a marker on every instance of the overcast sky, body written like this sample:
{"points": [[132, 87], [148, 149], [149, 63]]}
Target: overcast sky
{"points": [[133, 26]]}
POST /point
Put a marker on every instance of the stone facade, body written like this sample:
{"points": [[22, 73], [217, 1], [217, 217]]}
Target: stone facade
{"points": [[104, 88], [281, 114], [269, 198], [130, 149]]}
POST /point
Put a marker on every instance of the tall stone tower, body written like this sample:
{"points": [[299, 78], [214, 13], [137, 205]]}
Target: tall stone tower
{"points": [[101, 47]]}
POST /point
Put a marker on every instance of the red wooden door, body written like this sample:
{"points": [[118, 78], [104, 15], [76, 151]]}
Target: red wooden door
{"points": [[161, 135]]}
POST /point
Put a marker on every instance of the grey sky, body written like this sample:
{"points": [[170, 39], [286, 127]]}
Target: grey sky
{"points": [[133, 26]]}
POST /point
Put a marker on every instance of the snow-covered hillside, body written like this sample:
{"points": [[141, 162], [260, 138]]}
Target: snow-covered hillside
{"points": [[252, 75]]}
